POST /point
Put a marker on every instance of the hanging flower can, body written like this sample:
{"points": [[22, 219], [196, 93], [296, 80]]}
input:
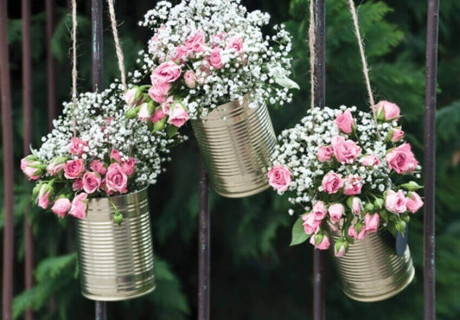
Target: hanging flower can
{"points": [[209, 62], [95, 166], [350, 176], [116, 261]]}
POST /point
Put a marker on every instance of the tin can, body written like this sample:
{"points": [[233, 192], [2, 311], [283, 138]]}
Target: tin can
{"points": [[116, 262]]}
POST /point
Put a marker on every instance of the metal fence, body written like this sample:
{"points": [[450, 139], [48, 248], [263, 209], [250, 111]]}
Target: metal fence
{"points": [[204, 244]]}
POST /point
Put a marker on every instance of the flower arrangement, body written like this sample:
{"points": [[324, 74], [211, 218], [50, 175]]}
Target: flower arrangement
{"points": [[95, 151], [346, 170], [204, 53]]}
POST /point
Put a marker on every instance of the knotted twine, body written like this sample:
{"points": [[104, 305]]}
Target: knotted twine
{"points": [[74, 62], [119, 52], [365, 69]]}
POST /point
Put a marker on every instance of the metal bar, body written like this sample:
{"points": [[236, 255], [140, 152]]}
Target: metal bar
{"points": [[430, 156], [101, 310], [204, 246], [97, 74], [8, 167], [97, 43], [320, 98], [50, 65], [27, 131], [320, 53]]}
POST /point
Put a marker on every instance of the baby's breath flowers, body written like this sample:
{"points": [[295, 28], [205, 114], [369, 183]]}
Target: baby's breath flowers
{"points": [[204, 53], [94, 150], [345, 174]]}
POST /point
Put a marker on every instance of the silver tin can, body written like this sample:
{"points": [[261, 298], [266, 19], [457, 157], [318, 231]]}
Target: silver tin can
{"points": [[116, 262], [236, 143]]}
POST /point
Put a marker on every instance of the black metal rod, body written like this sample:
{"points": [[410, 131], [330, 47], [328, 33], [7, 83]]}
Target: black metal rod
{"points": [[97, 74], [204, 246], [320, 53], [430, 156], [101, 310], [320, 101], [50, 65], [8, 167], [27, 131]]}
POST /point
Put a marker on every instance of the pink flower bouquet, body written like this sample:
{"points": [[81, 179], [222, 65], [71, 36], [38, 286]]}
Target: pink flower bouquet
{"points": [[94, 151], [348, 174], [204, 53]]}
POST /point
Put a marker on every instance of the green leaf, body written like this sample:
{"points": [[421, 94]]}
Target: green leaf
{"points": [[298, 234], [171, 130]]}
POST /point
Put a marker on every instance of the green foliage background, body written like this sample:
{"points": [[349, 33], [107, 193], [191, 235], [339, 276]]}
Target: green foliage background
{"points": [[255, 275]]}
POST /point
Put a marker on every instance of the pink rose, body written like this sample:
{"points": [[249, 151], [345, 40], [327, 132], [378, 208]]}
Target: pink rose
{"points": [[319, 210], [178, 115], [79, 206], [352, 185], [116, 179], [401, 159], [310, 224], [77, 185], [74, 168], [372, 222], [61, 206], [44, 195], [356, 206], [32, 168], [195, 43], [129, 166], [332, 182], [345, 122], [235, 43], [414, 202], [396, 135], [159, 90], [279, 178], [144, 112], [115, 155], [77, 146], [130, 96], [335, 212], [181, 53], [166, 105], [370, 160], [190, 79], [215, 59], [345, 151], [98, 166], [91, 182], [166, 72], [386, 111], [56, 165], [322, 243], [352, 233], [395, 202], [157, 116], [340, 249], [325, 153]]}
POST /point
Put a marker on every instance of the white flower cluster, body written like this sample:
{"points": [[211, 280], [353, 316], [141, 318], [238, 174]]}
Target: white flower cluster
{"points": [[298, 150], [99, 120], [259, 64]]}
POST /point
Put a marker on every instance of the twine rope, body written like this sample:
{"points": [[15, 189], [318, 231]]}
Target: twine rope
{"points": [[364, 62], [74, 61], [311, 45], [119, 51]]}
